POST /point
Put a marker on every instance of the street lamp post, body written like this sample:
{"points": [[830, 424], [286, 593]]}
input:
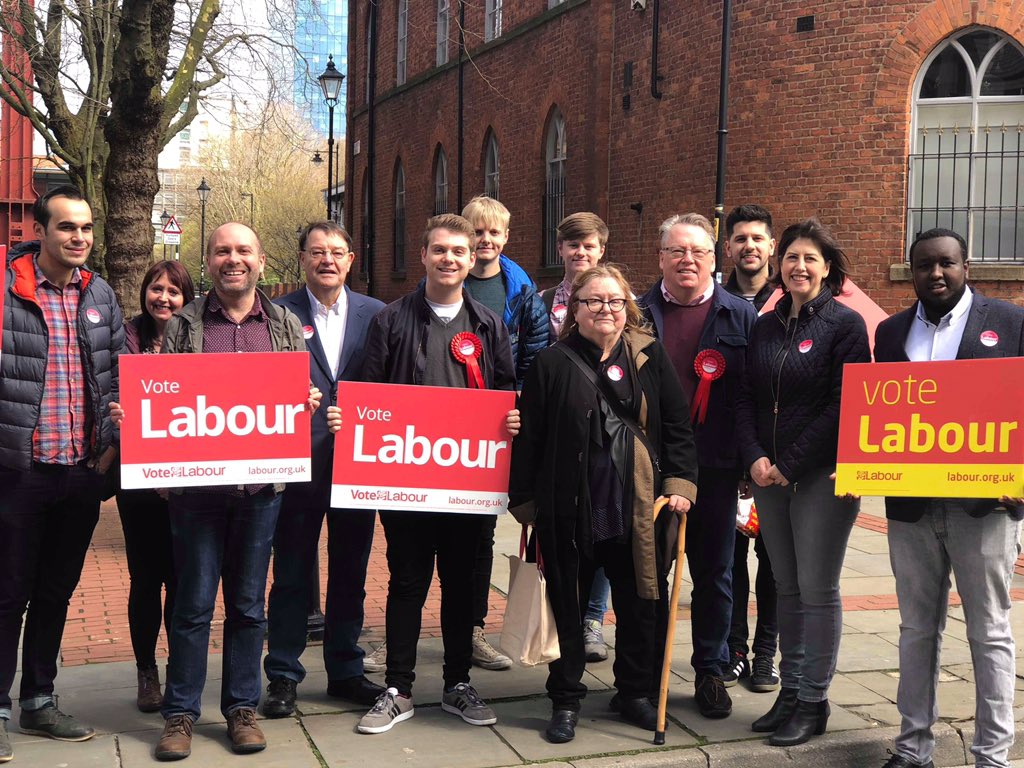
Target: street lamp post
{"points": [[164, 218], [204, 193], [252, 209], [330, 84]]}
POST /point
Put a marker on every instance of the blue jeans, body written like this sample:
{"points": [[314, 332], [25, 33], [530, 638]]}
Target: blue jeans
{"points": [[806, 528], [219, 536], [296, 541], [597, 605]]}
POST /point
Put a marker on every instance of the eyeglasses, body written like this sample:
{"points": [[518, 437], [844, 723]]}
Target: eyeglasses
{"points": [[679, 253], [595, 305], [319, 253]]}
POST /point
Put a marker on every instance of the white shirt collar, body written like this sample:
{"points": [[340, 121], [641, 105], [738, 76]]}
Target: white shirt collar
{"points": [[952, 318], [316, 308], [668, 297]]}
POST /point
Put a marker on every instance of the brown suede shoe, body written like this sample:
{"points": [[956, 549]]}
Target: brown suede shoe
{"points": [[176, 741], [244, 733], [149, 697]]}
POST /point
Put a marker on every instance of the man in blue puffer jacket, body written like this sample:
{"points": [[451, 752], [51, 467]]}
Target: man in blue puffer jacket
{"points": [[502, 286]]}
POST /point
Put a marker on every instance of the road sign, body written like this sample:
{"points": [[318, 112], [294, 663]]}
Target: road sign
{"points": [[172, 232]]}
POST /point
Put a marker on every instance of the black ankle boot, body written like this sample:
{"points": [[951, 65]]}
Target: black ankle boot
{"points": [[808, 719], [778, 714]]}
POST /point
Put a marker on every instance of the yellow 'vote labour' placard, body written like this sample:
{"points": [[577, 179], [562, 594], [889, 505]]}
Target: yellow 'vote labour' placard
{"points": [[951, 429]]}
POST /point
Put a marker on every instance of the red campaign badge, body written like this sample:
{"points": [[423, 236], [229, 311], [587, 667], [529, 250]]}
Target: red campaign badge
{"points": [[307, 332], [989, 338], [709, 365], [614, 373], [93, 315], [805, 346], [466, 349]]}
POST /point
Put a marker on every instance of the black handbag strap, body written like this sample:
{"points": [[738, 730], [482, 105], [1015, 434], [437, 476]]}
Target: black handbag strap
{"points": [[613, 402]]}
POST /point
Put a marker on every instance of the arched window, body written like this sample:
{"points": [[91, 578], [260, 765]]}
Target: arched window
{"points": [[440, 181], [492, 20], [443, 17], [968, 144], [398, 233], [492, 167], [402, 49], [555, 152]]}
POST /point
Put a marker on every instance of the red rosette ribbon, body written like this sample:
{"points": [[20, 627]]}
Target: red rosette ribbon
{"points": [[709, 365], [466, 349]]}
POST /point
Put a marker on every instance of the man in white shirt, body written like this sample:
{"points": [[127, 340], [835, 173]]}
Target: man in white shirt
{"points": [[335, 321]]}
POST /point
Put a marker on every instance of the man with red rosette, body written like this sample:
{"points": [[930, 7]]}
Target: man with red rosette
{"points": [[436, 336], [976, 539], [705, 330]]}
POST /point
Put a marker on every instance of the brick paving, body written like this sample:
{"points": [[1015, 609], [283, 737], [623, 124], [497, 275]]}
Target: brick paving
{"points": [[97, 627]]}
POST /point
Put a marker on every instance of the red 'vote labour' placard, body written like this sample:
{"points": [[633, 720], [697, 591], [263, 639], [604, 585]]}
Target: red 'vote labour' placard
{"points": [[951, 429], [428, 449], [214, 419]]}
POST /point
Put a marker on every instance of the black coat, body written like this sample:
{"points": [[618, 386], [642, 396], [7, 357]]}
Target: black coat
{"points": [[550, 460], [796, 367], [1007, 320]]}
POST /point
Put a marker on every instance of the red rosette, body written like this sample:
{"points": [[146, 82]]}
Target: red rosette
{"points": [[709, 365], [466, 349]]}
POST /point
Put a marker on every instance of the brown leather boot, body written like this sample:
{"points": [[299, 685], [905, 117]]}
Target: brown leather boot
{"points": [[176, 740], [149, 698], [244, 733]]}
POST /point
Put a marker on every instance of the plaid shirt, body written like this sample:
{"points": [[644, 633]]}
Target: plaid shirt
{"points": [[60, 436]]}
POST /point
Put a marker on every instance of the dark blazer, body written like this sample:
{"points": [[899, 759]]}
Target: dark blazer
{"points": [[727, 328], [1007, 320], [361, 310]]}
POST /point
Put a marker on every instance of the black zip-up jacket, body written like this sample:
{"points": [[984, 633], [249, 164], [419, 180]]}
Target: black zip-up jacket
{"points": [[788, 408], [396, 345]]}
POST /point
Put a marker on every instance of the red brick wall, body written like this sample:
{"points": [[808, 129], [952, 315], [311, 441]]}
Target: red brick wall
{"points": [[819, 121]]}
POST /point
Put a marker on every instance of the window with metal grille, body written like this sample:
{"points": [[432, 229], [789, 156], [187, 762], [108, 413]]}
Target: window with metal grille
{"points": [[440, 181], [555, 152], [443, 16], [968, 143], [492, 167], [398, 235], [403, 41], [492, 20]]}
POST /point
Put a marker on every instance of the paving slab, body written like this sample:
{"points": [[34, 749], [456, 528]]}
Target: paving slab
{"points": [[677, 758], [521, 724], [431, 739], [858, 653], [849, 691]]}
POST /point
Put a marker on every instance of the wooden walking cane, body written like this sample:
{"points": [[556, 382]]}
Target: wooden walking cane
{"points": [[673, 611]]}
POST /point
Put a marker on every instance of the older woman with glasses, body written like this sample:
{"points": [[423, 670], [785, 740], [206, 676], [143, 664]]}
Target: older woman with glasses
{"points": [[605, 431]]}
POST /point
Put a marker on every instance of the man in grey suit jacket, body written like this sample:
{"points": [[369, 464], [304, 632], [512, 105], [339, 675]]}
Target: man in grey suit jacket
{"points": [[334, 321], [978, 539]]}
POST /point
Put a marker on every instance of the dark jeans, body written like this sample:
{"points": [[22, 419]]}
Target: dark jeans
{"points": [[414, 539], [218, 536], [766, 631], [634, 632], [296, 542], [147, 543], [710, 540], [482, 570], [47, 517], [806, 528]]}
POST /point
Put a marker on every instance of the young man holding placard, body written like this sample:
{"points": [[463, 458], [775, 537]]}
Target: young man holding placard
{"points": [[436, 336], [975, 538]]}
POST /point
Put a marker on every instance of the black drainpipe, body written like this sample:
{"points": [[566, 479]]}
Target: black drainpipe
{"points": [[656, 24], [723, 133], [371, 148], [461, 141]]}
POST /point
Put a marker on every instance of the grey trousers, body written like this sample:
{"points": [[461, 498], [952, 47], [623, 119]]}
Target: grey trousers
{"points": [[981, 553], [806, 529]]}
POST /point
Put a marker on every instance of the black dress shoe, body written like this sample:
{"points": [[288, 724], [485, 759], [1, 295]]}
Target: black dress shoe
{"points": [[808, 719], [356, 689], [899, 761], [280, 700], [778, 714], [562, 727], [639, 712]]}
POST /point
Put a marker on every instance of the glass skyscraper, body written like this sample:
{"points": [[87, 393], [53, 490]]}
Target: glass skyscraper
{"points": [[321, 28]]}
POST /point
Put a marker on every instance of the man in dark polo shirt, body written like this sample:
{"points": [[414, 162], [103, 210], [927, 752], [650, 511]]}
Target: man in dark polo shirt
{"points": [[694, 316], [410, 343], [224, 533]]}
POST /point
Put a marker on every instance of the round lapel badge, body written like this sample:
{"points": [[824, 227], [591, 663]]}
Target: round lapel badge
{"points": [[989, 338], [93, 315], [558, 312], [614, 373], [307, 331], [805, 346]]}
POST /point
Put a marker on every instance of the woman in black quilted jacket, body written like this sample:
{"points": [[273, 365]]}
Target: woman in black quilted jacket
{"points": [[788, 423]]}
